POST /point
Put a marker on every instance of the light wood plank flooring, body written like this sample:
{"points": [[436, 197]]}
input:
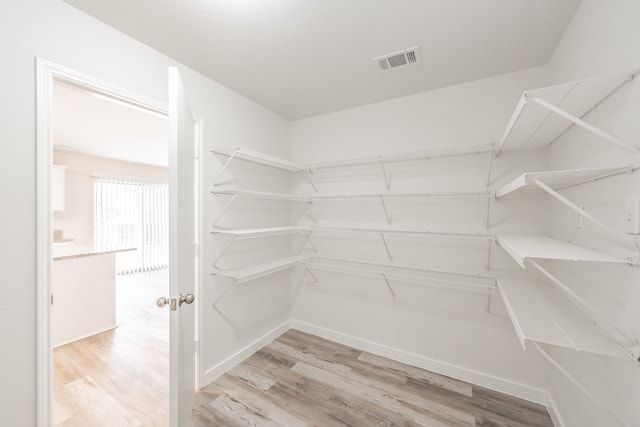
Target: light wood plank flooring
{"points": [[120, 377], [303, 380]]}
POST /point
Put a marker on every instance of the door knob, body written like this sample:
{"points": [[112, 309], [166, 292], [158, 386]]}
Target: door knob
{"points": [[162, 302], [186, 299]]}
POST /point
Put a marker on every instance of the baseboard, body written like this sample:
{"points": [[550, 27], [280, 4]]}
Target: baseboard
{"points": [[554, 413], [110, 328], [227, 364], [454, 371]]}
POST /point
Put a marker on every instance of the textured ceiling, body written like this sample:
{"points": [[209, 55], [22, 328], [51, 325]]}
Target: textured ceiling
{"points": [[302, 58]]}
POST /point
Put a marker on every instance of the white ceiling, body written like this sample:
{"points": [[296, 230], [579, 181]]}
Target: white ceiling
{"points": [[301, 58], [87, 123]]}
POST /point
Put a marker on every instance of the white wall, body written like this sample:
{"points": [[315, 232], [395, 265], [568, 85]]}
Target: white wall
{"points": [[55, 31], [77, 219], [443, 330], [602, 39]]}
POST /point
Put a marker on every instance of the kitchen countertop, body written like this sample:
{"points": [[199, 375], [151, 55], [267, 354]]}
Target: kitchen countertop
{"points": [[77, 251]]}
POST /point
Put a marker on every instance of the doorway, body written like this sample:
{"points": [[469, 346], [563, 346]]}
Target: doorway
{"points": [[110, 261], [184, 174]]}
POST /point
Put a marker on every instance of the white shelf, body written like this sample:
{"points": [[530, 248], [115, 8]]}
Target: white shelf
{"points": [[427, 195], [263, 195], [534, 125], [402, 157], [521, 247], [557, 180], [539, 313], [437, 279], [484, 238], [240, 275], [259, 158], [258, 232]]}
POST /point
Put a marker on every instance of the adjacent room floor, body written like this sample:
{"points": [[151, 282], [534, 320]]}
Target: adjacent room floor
{"points": [[119, 377], [303, 380]]}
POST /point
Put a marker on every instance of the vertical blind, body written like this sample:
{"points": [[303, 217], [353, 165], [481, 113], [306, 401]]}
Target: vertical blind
{"points": [[132, 214]]}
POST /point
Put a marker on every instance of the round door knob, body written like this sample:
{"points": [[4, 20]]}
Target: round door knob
{"points": [[162, 302], [186, 299]]}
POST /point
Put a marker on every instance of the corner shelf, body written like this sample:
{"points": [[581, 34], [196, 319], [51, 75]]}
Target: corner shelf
{"points": [[539, 313], [523, 247], [543, 115]]}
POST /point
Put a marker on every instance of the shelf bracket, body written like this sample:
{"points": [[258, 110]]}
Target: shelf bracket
{"points": [[308, 240], [386, 280], [492, 155], [387, 178], [576, 120], [215, 303], [386, 213], [226, 165], [573, 298], [224, 210], [489, 197], [577, 383], [489, 245], [575, 208], [307, 213], [223, 251], [309, 172], [386, 246]]}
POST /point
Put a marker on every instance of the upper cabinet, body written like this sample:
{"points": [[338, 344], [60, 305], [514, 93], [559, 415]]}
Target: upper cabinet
{"points": [[58, 184]]}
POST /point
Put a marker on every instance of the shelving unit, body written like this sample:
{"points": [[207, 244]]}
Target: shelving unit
{"points": [[524, 247], [543, 115], [541, 314], [245, 274]]}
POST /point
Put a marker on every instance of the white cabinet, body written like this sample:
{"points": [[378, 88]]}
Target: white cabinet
{"points": [[58, 182]]}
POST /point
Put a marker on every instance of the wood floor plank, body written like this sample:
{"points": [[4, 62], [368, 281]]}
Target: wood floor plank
{"points": [[320, 383], [431, 377]]}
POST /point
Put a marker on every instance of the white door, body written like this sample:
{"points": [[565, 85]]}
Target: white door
{"points": [[182, 259]]}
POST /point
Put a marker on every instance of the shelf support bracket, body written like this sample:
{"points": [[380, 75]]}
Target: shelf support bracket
{"points": [[224, 210], [573, 297], [222, 252], [386, 280], [308, 240], [387, 178], [577, 383], [386, 213], [492, 155], [605, 135], [224, 168], [307, 213], [309, 172], [489, 197], [386, 246], [572, 205]]}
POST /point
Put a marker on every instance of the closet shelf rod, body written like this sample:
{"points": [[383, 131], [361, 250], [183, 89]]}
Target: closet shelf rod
{"points": [[425, 195]]}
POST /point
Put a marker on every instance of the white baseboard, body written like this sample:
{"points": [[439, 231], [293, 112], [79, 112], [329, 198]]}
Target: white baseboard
{"points": [[69, 341], [554, 413], [235, 359], [458, 372]]}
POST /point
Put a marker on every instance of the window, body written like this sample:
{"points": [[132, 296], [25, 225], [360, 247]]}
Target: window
{"points": [[132, 214]]}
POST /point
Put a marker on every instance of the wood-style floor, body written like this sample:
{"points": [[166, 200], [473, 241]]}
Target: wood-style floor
{"points": [[121, 377], [303, 380]]}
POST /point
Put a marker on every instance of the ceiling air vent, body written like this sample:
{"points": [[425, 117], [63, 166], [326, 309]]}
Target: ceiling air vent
{"points": [[398, 59]]}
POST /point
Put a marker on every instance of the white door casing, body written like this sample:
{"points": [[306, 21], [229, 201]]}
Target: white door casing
{"points": [[182, 256]]}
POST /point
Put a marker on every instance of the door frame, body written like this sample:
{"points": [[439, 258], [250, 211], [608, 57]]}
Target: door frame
{"points": [[46, 73]]}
